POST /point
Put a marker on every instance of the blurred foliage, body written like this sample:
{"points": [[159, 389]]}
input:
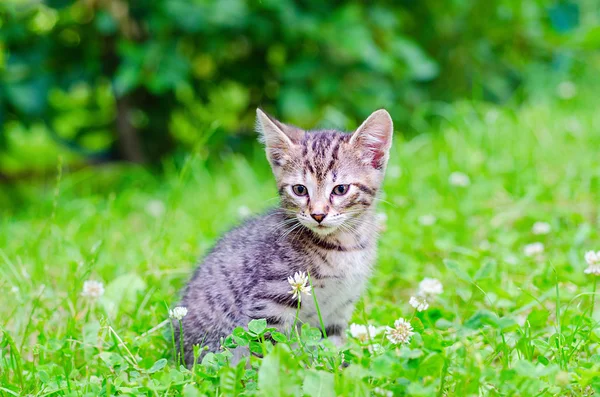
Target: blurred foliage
{"points": [[117, 79]]}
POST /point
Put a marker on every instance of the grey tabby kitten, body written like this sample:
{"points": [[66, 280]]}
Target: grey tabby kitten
{"points": [[325, 225]]}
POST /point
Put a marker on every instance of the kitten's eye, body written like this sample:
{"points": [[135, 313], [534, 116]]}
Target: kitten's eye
{"points": [[340, 190], [300, 190]]}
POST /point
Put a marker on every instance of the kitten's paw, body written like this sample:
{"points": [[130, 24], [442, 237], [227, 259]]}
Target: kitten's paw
{"points": [[337, 340]]}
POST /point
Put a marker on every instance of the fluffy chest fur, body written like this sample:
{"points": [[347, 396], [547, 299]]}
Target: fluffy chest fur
{"points": [[343, 279], [339, 269]]}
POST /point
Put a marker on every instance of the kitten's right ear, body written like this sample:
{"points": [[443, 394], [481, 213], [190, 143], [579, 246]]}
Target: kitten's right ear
{"points": [[374, 137], [277, 137]]}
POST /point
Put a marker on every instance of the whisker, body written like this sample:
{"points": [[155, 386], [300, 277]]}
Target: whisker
{"points": [[288, 231], [385, 201], [283, 224]]}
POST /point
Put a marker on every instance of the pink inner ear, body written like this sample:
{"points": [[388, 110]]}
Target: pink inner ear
{"points": [[377, 154], [377, 160], [374, 135], [375, 142]]}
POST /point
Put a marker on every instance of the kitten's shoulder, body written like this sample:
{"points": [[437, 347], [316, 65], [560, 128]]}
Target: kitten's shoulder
{"points": [[258, 229], [261, 225]]}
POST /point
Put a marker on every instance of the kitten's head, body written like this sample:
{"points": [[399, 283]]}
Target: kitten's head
{"points": [[327, 178]]}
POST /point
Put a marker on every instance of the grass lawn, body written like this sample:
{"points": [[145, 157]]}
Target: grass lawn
{"points": [[514, 319]]}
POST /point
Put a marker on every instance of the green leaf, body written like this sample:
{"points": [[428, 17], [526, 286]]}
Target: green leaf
{"points": [[157, 366], [296, 103], [90, 334], [256, 348], [112, 359], [310, 335], [279, 337], [240, 336], [420, 65], [210, 361], [432, 364], [106, 23], [44, 377], [30, 97], [319, 384], [480, 319], [525, 368], [278, 375], [257, 327], [231, 379], [538, 318], [406, 352], [456, 268], [384, 365], [229, 342], [541, 344], [507, 324], [351, 383], [487, 270], [121, 293], [416, 389], [126, 78], [190, 391]]}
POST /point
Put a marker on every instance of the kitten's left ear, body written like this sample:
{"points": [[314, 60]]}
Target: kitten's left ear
{"points": [[374, 138]]}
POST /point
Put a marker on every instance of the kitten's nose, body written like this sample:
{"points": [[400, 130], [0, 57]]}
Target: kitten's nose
{"points": [[318, 217]]}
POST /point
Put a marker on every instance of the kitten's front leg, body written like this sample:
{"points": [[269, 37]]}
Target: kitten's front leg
{"points": [[336, 333], [337, 340], [336, 327]]}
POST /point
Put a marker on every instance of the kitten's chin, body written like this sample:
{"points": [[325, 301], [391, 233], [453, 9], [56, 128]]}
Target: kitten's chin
{"points": [[322, 230]]}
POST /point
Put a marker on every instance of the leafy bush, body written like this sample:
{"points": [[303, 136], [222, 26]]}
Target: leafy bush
{"points": [[138, 79]]}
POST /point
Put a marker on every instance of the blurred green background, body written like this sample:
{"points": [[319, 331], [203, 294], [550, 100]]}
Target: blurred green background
{"points": [[102, 80]]}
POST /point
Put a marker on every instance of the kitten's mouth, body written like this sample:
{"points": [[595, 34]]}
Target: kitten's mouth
{"points": [[322, 229], [318, 228]]}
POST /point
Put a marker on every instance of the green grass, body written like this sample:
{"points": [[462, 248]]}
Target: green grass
{"points": [[506, 324]]}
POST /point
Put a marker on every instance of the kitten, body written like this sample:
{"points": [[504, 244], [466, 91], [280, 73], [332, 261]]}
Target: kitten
{"points": [[325, 225]]}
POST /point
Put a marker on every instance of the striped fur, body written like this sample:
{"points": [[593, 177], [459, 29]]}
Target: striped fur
{"points": [[244, 277]]}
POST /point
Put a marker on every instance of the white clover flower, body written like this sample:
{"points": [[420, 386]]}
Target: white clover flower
{"points": [[430, 287], [594, 270], [534, 249], [427, 220], [419, 302], [383, 392], [94, 379], [593, 260], [299, 283], [92, 289], [401, 333], [178, 313], [363, 332], [243, 211], [459, 179], [566, 90], [375, 348], [155, 208], [541, 228]]}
